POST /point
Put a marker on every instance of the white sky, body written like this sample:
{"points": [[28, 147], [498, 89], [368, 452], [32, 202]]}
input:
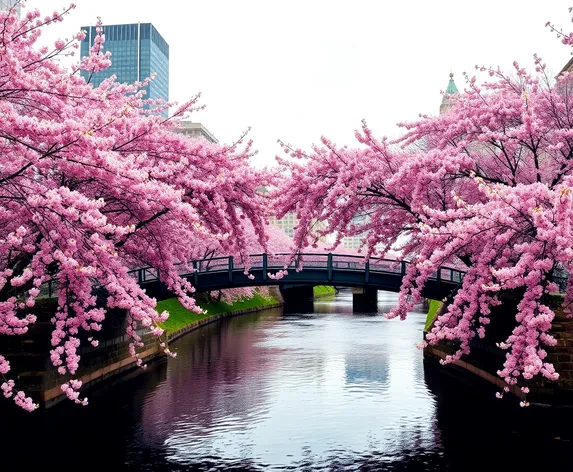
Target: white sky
{"points": [[301, 69]]}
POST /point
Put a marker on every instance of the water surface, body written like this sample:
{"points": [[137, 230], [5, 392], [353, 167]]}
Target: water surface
{"points": [[328, 389]]}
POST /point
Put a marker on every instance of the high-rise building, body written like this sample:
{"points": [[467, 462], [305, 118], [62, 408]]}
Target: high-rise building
{"points": [[137, 50], [5, 4], [287, 223], [290, 221]]}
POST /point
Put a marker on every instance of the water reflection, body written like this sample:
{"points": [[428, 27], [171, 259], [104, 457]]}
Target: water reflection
{"points": [[297, 390], [328, 390]]}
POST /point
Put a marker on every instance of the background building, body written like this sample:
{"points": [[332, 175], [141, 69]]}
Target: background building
{"points": [[354, 242], [196, 130], [137, 50], [449, 98], [567, 67], [5, 4], [287, 223]]}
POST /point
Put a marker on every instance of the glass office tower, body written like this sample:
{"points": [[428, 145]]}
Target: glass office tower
{"points": [[5, 4], [137, 50]]}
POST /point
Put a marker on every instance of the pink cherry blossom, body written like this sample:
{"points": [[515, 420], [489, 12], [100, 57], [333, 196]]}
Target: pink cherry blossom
{"points": [[486, 187], [93, 185]]}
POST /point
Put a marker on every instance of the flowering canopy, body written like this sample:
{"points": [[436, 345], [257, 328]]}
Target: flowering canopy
{"points": [[93, 185], [488, 184], [278, 243]]}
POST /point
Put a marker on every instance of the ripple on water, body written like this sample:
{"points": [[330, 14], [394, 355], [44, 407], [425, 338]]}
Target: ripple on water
{"points": [[324, 391]]}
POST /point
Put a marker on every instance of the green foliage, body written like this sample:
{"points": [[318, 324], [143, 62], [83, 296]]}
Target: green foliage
{"points": [[179, 316], [323, 290], [434, 308]]}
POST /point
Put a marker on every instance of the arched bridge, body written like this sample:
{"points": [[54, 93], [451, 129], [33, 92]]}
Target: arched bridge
{"points": [[317, 269]]}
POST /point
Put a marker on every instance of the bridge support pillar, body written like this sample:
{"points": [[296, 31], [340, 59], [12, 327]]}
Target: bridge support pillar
{"points": [[365, 299], [297, 297]]}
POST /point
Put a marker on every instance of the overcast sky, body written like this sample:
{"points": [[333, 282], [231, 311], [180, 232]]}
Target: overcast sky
{"points": [[300, 69]]}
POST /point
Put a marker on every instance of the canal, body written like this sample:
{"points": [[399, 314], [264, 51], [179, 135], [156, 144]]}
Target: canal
{"points": [[322, 390]]}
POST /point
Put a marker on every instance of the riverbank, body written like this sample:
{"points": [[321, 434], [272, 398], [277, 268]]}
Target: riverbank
{"points": [[112, 356], [434, 306], [321, 291], [182, 320], [485, 357]]}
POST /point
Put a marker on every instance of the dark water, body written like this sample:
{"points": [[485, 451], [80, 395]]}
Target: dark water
{"points": [[330, 390]]}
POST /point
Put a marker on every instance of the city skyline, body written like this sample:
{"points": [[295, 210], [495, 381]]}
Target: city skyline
{"points": [[298, 76]]}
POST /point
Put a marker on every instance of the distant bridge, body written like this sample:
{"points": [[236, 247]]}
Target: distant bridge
{"points": [[317, 269]]}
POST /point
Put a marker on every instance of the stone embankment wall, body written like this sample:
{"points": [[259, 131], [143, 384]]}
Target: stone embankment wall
{"points": [[485, 358], [29, 354]]}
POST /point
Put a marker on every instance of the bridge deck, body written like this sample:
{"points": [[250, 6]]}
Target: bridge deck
{"points": [[317, 269]]}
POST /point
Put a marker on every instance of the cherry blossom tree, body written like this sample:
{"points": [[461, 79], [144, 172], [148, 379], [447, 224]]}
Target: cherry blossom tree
{"points": [[278, 243], [93, 185], [487, 185]]}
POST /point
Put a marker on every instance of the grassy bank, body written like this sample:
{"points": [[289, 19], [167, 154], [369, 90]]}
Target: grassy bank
{"points": [[323, 290], [180, 317], [433, 310]]}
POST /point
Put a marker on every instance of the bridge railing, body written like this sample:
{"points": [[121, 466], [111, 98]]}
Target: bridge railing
{"points": [[275, 262], [147, 274], [448, 274], [253, 260], [212, 265]]}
